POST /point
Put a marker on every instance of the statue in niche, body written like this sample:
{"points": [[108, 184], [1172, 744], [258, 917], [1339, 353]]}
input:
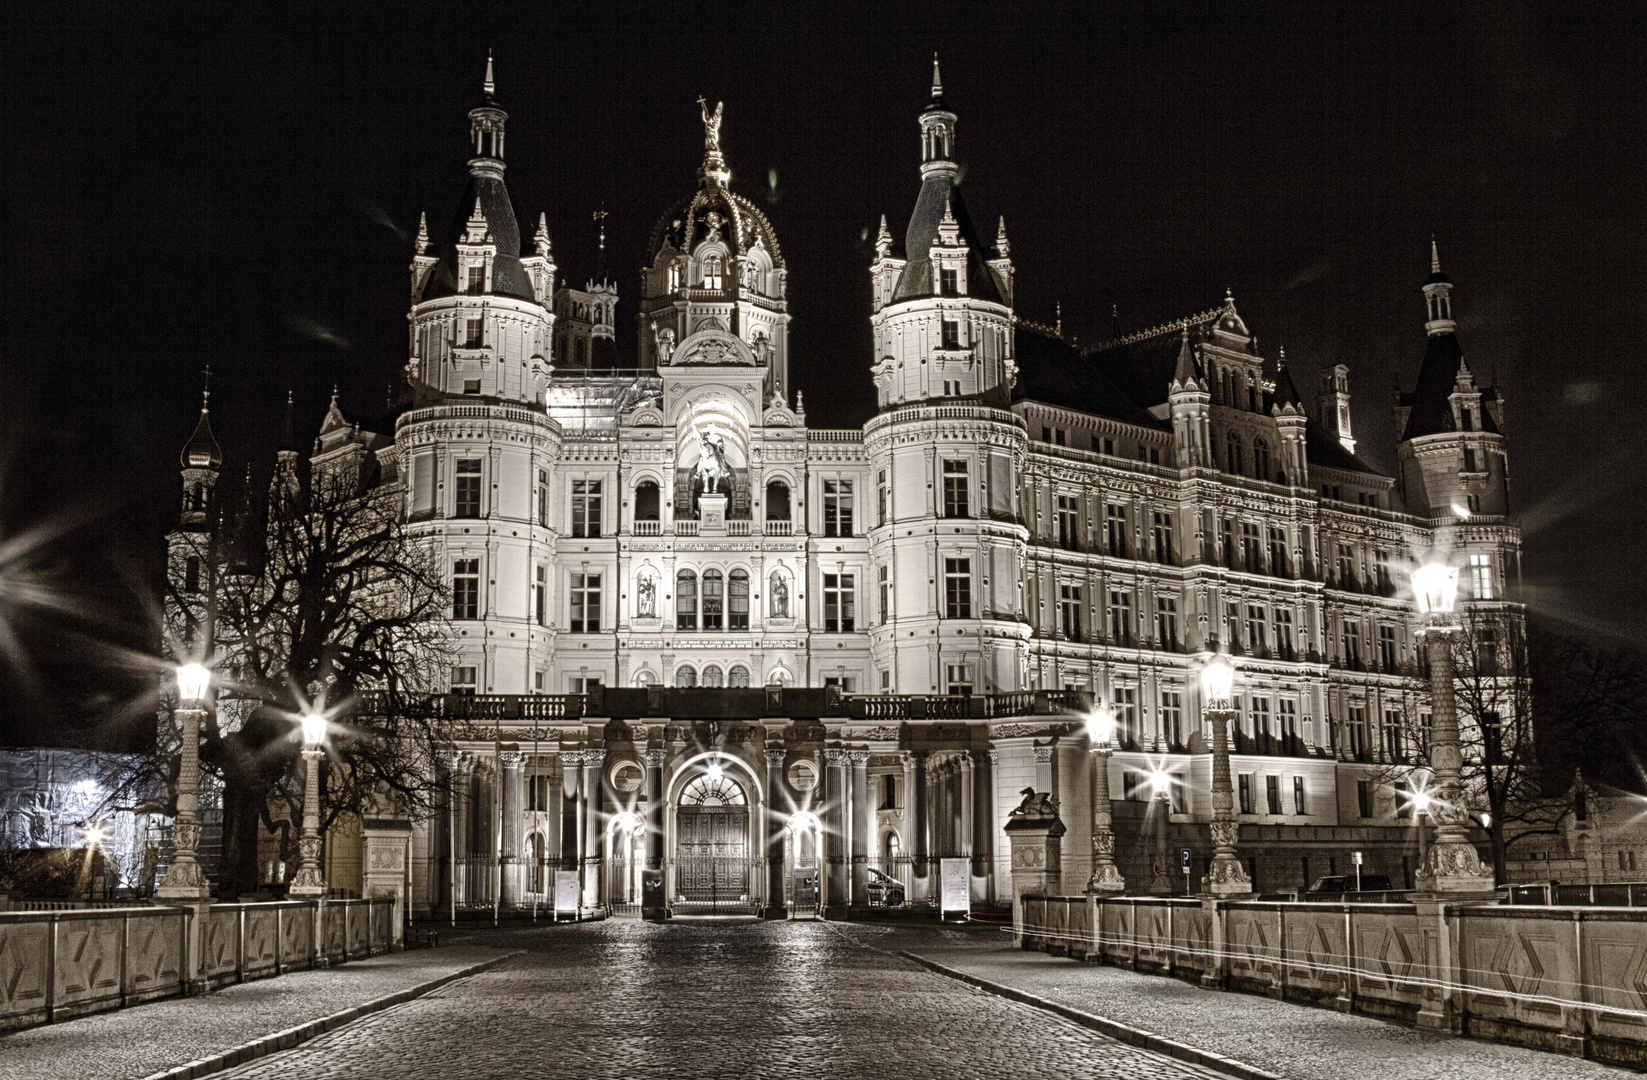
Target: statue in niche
{"points": [[712, 468], [780, 597], [646, 597], [666, 342]]}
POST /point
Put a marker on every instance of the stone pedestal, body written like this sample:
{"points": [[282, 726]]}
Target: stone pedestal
{"points": [[1034, 831], [711, 514], [387, 845]]}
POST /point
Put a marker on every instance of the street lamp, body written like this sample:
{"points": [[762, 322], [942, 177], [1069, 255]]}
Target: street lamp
{"points": [[1160, 783], [184, 880], [1225, 877], [1106, 876], [1451, 866], [309, 881]]}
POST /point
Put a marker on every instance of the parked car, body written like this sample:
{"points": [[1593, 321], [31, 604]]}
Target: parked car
{"points": [[885, 891], [1335, 886]]}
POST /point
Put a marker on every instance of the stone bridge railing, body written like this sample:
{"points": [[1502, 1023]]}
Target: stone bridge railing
{"points": [[59, 964], [1571, 980]]}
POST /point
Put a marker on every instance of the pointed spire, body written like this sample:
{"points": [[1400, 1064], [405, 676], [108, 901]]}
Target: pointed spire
{"points": [[1184, 376], [1002, 248], [1115, 322], [1435, 256], [475, 229], [288, 435], [937, 79], [423, 232], [1058, 317], [540, 241], [489, 87], [949, 211], [883, 240]]}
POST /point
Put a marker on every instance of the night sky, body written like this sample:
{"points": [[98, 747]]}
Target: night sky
{"points": [[227, 189]]}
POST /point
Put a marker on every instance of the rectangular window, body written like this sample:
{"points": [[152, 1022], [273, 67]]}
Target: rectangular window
{"points": [[1166, 622], [1469, 459], [1261, 717], [477, 280], [714, 599], [1287, 714], [1278, 552], [1481, 577], [580, 685], [958, 679], [585, 604], [1392, 735], [737, 601], [467, 502], [1120, 616], [466, 589], [886, 594], [586, 508], [540, 596], [1272, 794], [1126, 714], [471, 386], [949, 280], [958, 588], [686, 601], [1386, 648], [839, 604], [1381, 571], [1358, 733], [1352, 643], [1363, 798], [191, 574], [1346, 567], [955, 476], [848, 684], [1069, 611], [1246, 793], [837, 507], [1251, 551], [471, 334], [1283, 633], [1068, 516], [1104, 446], [543, 498], [1115, 529], [1161, 536], [1229, 544], [1298, 803], [952, 334], [880, 498], [463, 681], [1172, 717], [1258, 636]]}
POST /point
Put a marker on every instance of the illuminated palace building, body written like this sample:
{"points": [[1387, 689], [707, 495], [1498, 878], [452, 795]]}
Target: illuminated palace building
{"points": [[707, 639]]}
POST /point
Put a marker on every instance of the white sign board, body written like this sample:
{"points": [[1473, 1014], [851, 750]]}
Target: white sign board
{"points": [[566, 892], [956, 875]]}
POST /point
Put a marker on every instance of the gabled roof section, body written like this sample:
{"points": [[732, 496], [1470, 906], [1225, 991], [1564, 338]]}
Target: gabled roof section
{"points": [[937, 196], [1051, 371]]}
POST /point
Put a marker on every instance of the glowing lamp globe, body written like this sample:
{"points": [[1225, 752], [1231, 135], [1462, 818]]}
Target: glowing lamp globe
{"points": [[1435, 587], [192, 681], [1421, 801], [1101, 726], [1160, 782], [314, 729], [714, 771], [1218, 680]]}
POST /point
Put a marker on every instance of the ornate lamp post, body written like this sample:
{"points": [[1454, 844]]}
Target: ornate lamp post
{"points": [[309, 882], [1160, 783], [1452, 865], [1225, 877], [184, 881], [1106, 876]]}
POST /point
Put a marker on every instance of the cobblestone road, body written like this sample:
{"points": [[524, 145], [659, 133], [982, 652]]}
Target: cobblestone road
{"points": [[709, 999]]}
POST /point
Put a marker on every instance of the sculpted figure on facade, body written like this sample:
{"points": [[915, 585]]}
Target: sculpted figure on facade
{"points": [[779, 592], [646, 596]]}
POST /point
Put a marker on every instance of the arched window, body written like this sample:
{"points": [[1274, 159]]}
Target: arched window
{"points": [[778, 677], [197, 498], [644, 678], [737, 600], [738, 677], [712, 676], [686, 675], [714, 600], [891, 847], [646, 501], [712, 272], [1261, 459], [1235, 453], [686, 601], [777, 501]]}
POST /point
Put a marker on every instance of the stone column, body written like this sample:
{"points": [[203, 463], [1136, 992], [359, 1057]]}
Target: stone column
{"points": [[1452, 867], [1226, 877], [915, 822], [1106, 876], [775, 825], [835, 796], [983, 790], [513, 762], [654, 901], [553, 797], [861, 817], [184, 881], [309, 883], [462, 776], [593, 763]]}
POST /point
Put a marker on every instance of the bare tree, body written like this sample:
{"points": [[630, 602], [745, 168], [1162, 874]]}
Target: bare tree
{"points": [[310, 603]]}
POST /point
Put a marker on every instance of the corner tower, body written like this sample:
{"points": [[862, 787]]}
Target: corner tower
{"points": [[946, 540]]}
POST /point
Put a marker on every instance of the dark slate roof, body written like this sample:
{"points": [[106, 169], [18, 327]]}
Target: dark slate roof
{"points": [[1143, 365], [742, 222], [1321, 447], [1431, 411], [202, 451], [1051, 371], [916, 280], [1286, 391], [508, 275]]}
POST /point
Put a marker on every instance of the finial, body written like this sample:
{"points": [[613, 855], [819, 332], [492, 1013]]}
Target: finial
{"points": [[949, 214], [937, 80], [1229, 297], [599, 217], [1001, 245], [205, 387], [422, 232], [489, 87], [334, 395], [1435, 256], [1281, 357], [1058, 308]]}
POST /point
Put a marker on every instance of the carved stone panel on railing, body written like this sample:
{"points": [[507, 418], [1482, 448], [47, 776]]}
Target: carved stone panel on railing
{"points": [[358, 943], [87, 966], [1317, 951], [23, 951], [222, 943], [1518, 966], [262, 947], [296, 937], [336, 943], [154, 954]]}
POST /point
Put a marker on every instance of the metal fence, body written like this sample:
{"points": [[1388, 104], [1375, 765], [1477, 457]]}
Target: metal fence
{"points": [[895, 885], [715, 885], [1624, 894]]}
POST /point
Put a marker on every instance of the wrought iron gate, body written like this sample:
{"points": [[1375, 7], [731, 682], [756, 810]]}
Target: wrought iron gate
{"points": [[712, 869]]}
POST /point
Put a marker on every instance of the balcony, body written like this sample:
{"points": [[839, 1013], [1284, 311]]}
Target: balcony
{"points": [[649, 528], [686, 527], [737, 528], [774, 527]]}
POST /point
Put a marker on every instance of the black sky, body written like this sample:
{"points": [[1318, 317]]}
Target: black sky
{"points": [[219, 186]]}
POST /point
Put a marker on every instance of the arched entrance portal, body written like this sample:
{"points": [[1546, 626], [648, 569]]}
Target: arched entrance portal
{"points": [[712, 853]]}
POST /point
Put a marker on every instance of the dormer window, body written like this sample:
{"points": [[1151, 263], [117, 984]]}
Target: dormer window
{"points": [[477, 280], [674, 278], [712, 273], [1468, 417], [949, 279]]}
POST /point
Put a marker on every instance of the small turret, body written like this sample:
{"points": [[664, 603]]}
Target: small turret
{"points": [[1190, 403], [937, 132], [1335, 404], [1438, 301], [201, 459], [1290, 416]]}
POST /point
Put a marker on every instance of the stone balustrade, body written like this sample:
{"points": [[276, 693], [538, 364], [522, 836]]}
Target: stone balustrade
{"points": [[1570, 980], [59, 964]]}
